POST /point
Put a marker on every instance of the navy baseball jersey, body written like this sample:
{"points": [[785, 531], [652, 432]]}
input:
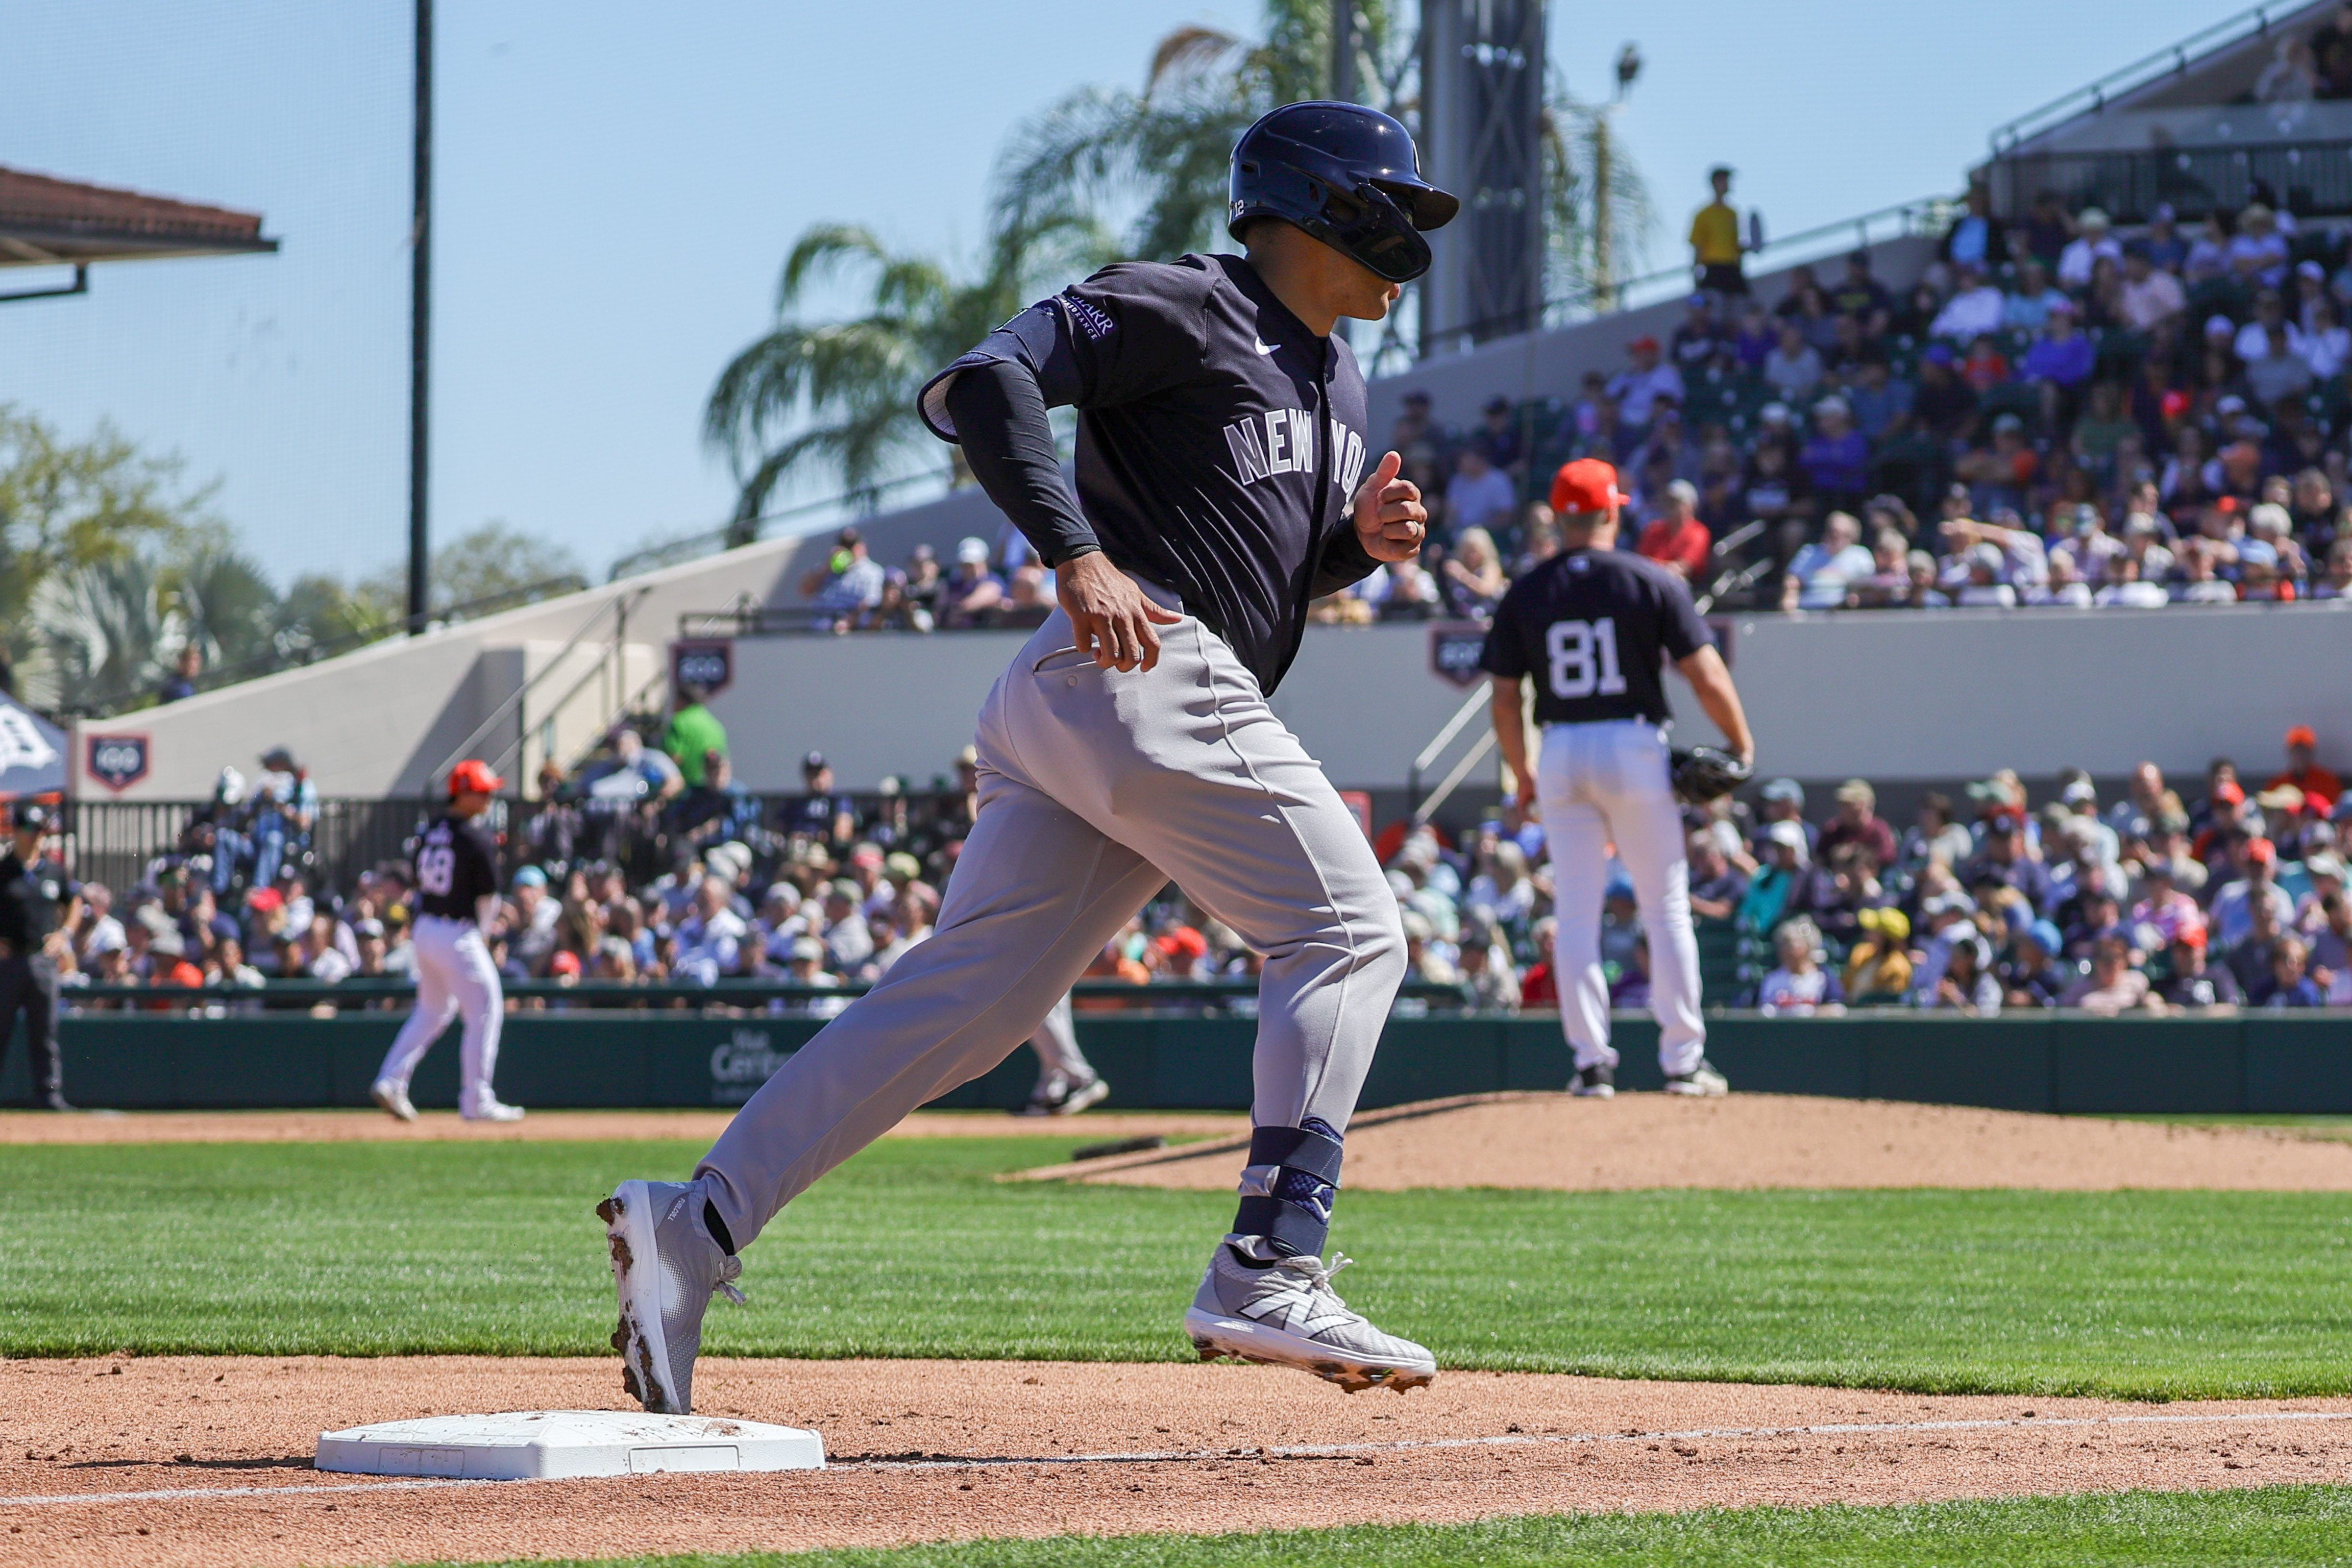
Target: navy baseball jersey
{"points": [[31, 898], [1220, 442], [1594, 627], [457, 865]]}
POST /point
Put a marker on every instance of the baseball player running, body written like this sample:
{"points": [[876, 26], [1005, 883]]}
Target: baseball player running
{"points": [[457, 902], [1222, 485], [1593, 626], [1067, 1082]]}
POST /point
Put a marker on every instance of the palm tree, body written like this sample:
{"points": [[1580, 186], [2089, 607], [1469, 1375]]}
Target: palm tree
{"points": [[842, 394], [1159, 156]]}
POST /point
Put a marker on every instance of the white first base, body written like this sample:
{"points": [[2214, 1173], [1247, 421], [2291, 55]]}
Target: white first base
{"points": [[534, 1445]]}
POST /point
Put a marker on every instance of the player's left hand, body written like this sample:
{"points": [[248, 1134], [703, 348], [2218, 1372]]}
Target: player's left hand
{"points": [[1390, 517]]}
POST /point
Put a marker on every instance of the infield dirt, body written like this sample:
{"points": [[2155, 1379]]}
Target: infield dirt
{"points": [[938, 1451], [1637, 1140]]}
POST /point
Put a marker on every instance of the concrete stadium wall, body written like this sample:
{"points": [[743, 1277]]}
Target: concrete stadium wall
{"points": [[2299, 1063], [376, 721], [1893, 696]]}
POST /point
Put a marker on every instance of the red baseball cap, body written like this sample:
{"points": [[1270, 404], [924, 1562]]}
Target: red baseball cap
{"points": [[2261, 850], [1587, 484], [1642, 344], [2228, 792], [2302, 735], [472, 776]]}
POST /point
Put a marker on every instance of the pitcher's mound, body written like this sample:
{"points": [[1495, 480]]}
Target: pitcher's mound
{"points": [[1557, 1142]]}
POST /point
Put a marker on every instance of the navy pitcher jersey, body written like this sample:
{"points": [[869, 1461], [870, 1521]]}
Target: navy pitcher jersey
{"points": [[1219, 440], [457, 864], [1594, 627]]}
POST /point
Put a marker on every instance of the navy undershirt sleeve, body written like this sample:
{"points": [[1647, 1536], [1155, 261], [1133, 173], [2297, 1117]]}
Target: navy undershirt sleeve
{"points": [[999, 413], [1345, 561]]}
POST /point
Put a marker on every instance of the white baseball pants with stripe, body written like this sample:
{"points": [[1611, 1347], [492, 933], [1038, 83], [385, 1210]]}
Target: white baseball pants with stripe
{"points": [[1612, 782], [455, 978], [1095, 787], [1056, 1045]]}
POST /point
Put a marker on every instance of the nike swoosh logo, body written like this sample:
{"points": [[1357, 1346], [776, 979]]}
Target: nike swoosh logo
{"points": [[1263, 348]]}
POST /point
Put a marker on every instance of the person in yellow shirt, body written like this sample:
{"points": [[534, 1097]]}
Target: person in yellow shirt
{"points": [[1715, 239]]}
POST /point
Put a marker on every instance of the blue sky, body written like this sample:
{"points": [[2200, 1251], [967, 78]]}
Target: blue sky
{"points": [[615, 193]]}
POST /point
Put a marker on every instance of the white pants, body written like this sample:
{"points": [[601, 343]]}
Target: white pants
{"points": [[1604, 781], [1058, 1057], [1096, 788], [454, 977]]}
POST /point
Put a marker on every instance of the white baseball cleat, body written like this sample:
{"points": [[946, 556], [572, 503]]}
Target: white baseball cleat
{"points": [[1702, 1080], [666, 1267], [489, 1108], [1092, 1092], [1283, 1311], [394, 1098], [1594, 1082]]}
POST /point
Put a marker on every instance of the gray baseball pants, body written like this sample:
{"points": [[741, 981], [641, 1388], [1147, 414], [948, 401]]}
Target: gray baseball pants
{"points": [[1096, 788]]}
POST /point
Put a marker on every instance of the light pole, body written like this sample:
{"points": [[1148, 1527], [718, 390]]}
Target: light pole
{"points": [[420, 327]]}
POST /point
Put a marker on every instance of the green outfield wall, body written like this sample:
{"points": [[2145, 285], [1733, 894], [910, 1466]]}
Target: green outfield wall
{"points": [[2261, 1062]]}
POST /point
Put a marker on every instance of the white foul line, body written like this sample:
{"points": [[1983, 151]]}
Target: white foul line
{"points": [[1294, 1451]]}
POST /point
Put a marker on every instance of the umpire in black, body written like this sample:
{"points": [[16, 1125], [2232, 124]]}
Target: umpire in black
{"points": [[37, 903]]}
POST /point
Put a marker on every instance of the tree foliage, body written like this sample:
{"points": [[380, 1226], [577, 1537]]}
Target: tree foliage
{"points": [[841, 395]]}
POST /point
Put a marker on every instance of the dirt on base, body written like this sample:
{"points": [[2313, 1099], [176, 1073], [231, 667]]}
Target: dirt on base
{"points": [[1635, 1141], [540, 1126], [207, 1460]]}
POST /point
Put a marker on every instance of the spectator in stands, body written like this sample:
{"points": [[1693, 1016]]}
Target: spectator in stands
{"points": [[1675, 538], [2233, 906], [1635, 390], [1878, 966], [1793, 369], [1975, 309], [2027, 306], [1836, 459], [2093, 241], [1715, 239], [695, 735], [1474, 579], [1402, 591], [528, 924], [2331, 946], [1857, 822], [847, 584], [1479, 494], [1413, 427], [1966, 982], [1696, 343], [1499, 438], [1801, 988], [2004, 859], [2249, 958], [2258, 250], [1976, 238], [2191, 984], [1820, 573], [181, 684], [2031, 977], [971, 596], [2303, 772], [2152, 296], [286, 807], [2289, 983], [710, 937], [2114, 985], [1716, 886]]}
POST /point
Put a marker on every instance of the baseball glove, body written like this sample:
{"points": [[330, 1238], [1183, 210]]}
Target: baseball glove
{"points": [[1703, 773]]}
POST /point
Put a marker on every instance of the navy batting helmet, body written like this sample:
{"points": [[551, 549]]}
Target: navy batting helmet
{"points": [[1345, 174]]}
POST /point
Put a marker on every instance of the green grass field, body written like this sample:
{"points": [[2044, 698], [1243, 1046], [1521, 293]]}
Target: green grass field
{"points": [[913, 1250], [2207, 1529]]}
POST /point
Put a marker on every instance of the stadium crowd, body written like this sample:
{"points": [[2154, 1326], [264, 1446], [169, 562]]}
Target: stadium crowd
{"points": [[652, 865], [2054, 412]]}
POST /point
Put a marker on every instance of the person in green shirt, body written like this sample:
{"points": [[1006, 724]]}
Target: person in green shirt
{"points": [[694, 733]]}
